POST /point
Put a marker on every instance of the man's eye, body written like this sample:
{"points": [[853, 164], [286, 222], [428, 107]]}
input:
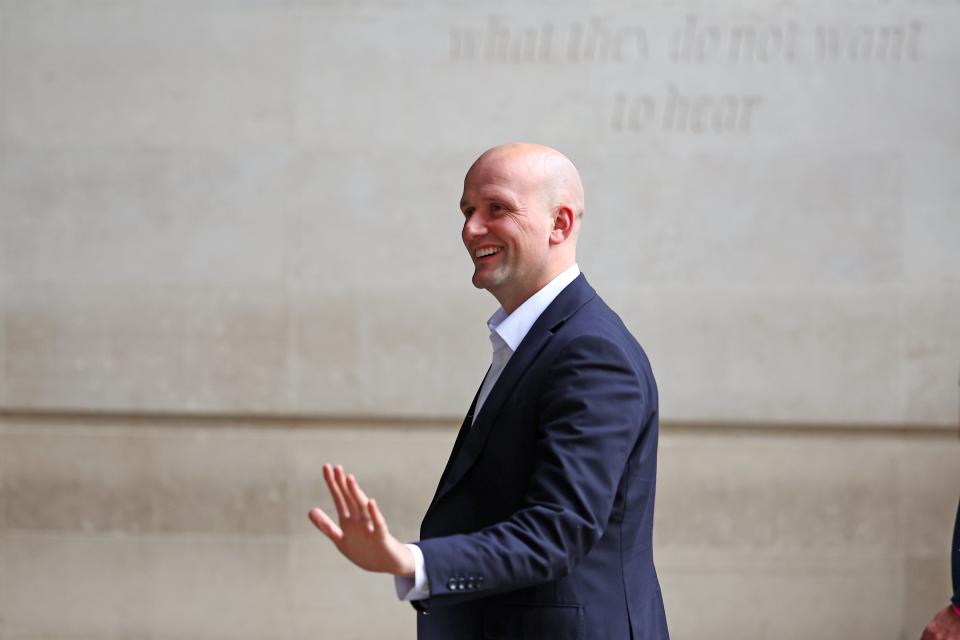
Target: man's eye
{"points": [[495, 207], [467, 212]]}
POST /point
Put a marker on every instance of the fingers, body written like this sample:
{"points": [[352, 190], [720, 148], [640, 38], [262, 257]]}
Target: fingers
{"points": [[351, 502], [376, 518], [356, 491], [338, 500], [357, 494], [353, 506], [326, 525], [363, 503]]}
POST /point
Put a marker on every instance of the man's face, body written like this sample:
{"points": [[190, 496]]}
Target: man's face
{"points": [[506, 228]]}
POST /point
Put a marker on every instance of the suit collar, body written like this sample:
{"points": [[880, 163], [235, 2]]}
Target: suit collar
{"points": [[471, 440], [511, 329]]}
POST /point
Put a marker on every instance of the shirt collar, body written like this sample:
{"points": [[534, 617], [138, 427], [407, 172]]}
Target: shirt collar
{"points": [[511, 329]]}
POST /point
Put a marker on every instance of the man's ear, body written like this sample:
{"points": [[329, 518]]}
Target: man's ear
{"points": [[563, 220]]}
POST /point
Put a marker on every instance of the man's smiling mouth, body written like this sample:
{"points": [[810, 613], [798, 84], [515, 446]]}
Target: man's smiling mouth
{"points": [[483, 252]]}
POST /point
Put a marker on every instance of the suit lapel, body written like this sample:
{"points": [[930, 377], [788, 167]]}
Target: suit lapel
{"points": [[461, 435], [471, 439]]}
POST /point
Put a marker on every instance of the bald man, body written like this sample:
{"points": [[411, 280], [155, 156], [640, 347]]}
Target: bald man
{"points": [[542, 523]]}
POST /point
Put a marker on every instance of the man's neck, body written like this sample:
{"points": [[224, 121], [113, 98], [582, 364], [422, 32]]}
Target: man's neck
{"points": [[509, 306]]}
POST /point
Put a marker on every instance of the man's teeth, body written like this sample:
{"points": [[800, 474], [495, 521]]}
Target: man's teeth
{"points": [[487, 251]]}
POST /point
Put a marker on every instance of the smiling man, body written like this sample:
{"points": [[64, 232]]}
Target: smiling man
{"points": [[507, 196], [542, 523]]}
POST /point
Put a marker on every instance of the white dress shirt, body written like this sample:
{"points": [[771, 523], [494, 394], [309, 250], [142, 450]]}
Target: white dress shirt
{"points": [[506, 334]]}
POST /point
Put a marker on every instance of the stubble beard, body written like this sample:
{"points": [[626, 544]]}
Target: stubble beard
{"points": [[489, 280]]}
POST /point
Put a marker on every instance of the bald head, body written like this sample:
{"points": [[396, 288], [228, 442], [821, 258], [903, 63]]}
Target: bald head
{"points": [[545, 167], [522, 205]]}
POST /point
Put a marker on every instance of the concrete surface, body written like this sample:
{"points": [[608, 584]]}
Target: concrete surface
{"points": [[248, 210]]}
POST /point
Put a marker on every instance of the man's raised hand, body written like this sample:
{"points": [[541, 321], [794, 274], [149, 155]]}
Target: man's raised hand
{"points": [[362, 535], [944, 626]]}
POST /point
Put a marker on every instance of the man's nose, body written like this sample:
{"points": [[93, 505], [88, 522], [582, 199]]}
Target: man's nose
{"points": [[474, 226]]}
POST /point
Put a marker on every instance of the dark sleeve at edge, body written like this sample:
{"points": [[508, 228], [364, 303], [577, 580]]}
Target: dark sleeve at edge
{"points": [[955, 560]]}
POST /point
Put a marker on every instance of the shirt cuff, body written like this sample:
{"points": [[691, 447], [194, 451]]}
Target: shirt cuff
{"points": [[415, 588]]}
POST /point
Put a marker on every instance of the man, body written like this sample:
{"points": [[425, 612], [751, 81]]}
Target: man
{"points": [[541, 526], [946, 624]]}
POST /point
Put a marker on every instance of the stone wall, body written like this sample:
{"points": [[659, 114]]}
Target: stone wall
{"points": [[229, 252], [177, 527]]}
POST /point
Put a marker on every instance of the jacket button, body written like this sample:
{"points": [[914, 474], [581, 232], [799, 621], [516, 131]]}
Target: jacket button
{"points": [[452, 584]]}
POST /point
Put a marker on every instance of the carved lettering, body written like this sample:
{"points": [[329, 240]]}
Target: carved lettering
{"points": [[605, 41], [679, 113], [868, 43], [694, 41], [737, 43], [592, 41]]}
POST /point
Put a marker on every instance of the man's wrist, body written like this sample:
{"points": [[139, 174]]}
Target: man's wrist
{"points": [[406, 566], [415, 587]]}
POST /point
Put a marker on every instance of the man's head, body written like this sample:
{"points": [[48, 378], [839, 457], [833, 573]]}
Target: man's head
{"points": [[522, 205]]}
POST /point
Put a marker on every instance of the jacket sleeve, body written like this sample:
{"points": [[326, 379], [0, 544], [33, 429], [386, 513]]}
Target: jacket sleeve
{"points": [[955, 560], [592, 409]]}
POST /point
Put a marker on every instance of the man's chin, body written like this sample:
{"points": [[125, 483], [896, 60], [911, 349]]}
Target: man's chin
{"points": [[484, 281]]}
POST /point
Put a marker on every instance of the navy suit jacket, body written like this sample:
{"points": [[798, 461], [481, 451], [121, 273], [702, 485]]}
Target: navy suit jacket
{"points": [[542, 524]]}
